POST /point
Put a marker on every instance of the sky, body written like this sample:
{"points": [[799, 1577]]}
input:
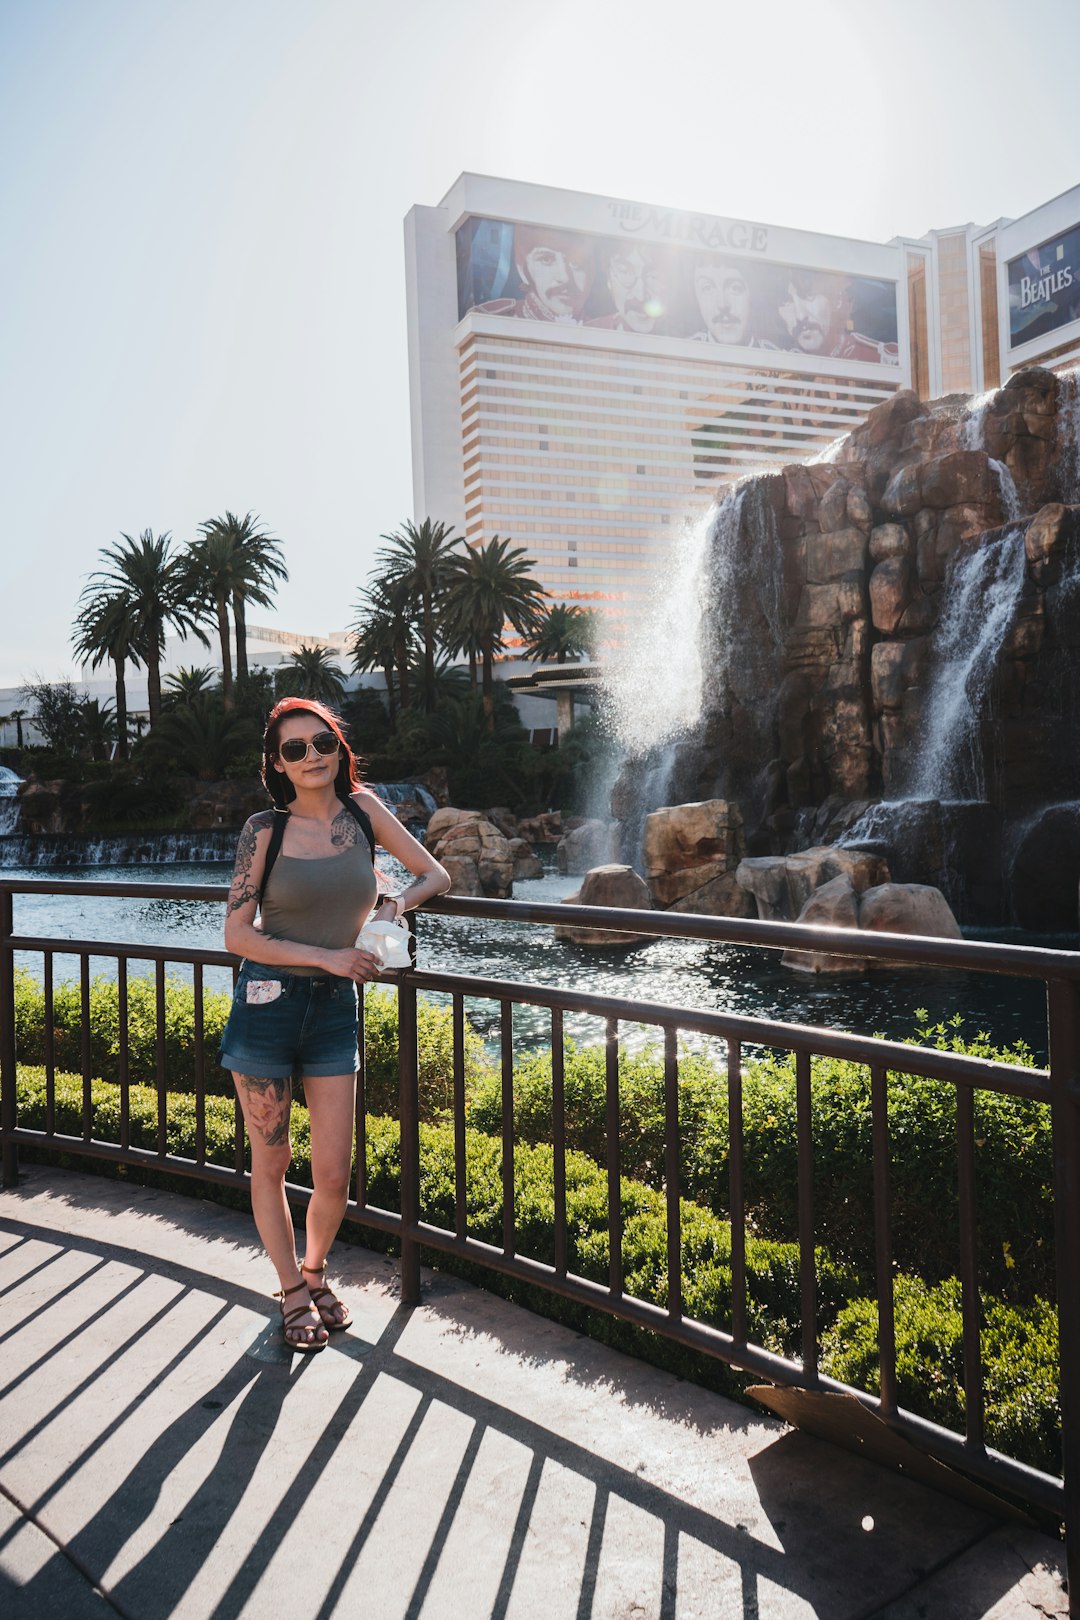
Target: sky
{"points": [[201, 226]]}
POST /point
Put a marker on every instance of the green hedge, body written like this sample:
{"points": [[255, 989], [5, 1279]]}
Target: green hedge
{"points": [[1012, 1147], [1019, 1357], [1019, 1348], [1012, 1135], [435, 1037]]}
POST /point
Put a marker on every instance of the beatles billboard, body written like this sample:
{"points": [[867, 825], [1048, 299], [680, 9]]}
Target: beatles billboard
{"points": [[707, 293], [1044, 288]]}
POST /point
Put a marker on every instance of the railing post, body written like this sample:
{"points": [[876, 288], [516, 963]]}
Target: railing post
{"points": [[1063, 1005], [409, 1124], [8, 1076]]}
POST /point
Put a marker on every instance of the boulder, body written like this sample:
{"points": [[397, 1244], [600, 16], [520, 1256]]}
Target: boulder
{"points": [[907, 908], [890, 589], [505, 821], [832, 512], [1046, 532], [591, 843], [886, 422], [889, 540], [474, 852], [446, 818], [781, 885], [811, 869], [722, 896], [686, 846], [609, 885], [764, 878], [1046, 870], [543, 829], [834, 905], [832, 555], [464, 876], [959, 479], [526, 864]]}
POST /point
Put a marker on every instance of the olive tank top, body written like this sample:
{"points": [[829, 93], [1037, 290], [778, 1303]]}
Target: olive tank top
{"points": [[323, 902]]}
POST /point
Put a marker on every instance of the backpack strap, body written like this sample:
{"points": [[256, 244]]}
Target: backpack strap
{"points": [[277, 833], [273, 849], [363, 821]]}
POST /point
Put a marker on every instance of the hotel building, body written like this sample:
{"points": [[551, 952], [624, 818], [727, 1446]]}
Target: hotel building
{"points": [[586, 370]]}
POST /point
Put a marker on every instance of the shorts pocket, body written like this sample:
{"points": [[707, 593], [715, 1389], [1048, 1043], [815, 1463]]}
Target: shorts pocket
{"points": [[260, 992]]}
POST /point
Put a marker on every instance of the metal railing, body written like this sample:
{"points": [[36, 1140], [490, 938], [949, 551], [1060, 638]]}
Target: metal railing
{"points": [[1058, 1087]]}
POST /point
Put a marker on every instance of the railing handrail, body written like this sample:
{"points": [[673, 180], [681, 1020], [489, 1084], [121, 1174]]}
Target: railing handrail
{"points": [[978, 956]]}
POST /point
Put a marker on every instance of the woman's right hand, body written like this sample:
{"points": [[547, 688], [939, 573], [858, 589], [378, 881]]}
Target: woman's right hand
{"points": [[353, 963]]}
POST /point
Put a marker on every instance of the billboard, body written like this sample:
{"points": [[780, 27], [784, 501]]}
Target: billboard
{"points": [[1044, 288], [711, 295]]}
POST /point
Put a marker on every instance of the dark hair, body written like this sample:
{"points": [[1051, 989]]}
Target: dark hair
{"points": [[275, 782]]}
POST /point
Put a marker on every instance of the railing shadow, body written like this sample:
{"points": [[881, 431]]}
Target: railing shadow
{"points": [[414, 1486]]}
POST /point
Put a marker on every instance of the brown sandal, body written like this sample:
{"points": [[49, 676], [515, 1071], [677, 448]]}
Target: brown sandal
{"points": [[289, 1321], [332, 1324]]}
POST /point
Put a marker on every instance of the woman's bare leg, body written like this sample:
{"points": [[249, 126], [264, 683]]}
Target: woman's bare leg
{"points": [[331, 1101], [266, 1105]]}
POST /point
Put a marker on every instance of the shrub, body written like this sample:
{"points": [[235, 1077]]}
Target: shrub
{"points": [[1019, 1356], [1012, 1136], [434, 1037], [104, 1028], [435, 1055]]}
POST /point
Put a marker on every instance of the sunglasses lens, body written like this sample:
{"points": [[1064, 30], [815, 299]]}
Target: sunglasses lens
{"points": [[294, 749]]}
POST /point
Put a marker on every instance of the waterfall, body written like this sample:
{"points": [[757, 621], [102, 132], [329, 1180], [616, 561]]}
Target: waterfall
{"points": [[691, 696], [9, 802], [49, 850], [974, 425], [982, 591], [653, 687], [1010, 495]]}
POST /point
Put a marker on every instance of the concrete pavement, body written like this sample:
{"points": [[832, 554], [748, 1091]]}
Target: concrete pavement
{"points": [[161, 1454]]}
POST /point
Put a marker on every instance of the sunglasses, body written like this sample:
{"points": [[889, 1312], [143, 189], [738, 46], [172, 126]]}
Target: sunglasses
{"points": [[294, 749]]}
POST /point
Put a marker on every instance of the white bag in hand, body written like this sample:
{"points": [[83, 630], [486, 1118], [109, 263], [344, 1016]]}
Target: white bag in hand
{"points": [[389, 941]]}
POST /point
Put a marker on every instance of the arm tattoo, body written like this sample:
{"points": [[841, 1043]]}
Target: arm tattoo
{"points": [[344, 830], [243, 889]]}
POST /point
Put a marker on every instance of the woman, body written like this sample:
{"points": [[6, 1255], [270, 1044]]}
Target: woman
{"points": [[295, 1006]]}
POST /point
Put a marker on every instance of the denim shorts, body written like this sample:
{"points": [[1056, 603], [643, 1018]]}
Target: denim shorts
{"points": [[284, 1024]]}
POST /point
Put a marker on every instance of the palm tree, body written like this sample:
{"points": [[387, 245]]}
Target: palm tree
{"points": [[200, 739], [19, 715], [105, 628], [154, 585], [563, 632], [311, 671], [492, 586], [257, 576], [384, 636], [98, 725], [420, 562], [188, 684]]}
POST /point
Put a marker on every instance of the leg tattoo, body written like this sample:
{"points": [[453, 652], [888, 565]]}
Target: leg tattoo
{"points": [[267, 1108]]}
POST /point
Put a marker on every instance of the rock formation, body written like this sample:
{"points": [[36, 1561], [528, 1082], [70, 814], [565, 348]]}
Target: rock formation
{"points": [[587, 844], [690, 855], [475, 853], [888, 908], [610, 885], [899, 622]]}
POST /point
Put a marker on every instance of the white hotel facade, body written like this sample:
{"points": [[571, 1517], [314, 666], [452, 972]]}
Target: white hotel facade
{"points": [[590, 437]]}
